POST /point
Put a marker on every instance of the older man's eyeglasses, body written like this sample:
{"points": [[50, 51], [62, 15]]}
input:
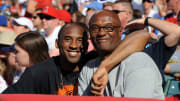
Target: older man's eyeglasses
{"points": [[118, 11], [96, 29]]}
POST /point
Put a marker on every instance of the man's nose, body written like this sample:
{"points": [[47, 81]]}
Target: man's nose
{"points": [[73, 45]]}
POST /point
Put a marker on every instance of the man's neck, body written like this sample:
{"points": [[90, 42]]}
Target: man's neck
{"points": [[50, 31], [68, 67]]}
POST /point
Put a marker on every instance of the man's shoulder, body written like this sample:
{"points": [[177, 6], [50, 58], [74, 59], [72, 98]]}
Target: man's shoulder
{"points": [[47, 65], [138, 59], [137, 56]]}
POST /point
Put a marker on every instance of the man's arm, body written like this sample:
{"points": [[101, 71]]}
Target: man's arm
{"points": [[170, 30], [134, 42]]}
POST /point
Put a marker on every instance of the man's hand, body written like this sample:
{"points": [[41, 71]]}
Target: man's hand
{"points": [[177, 76], [99, 80], [135, 24]]}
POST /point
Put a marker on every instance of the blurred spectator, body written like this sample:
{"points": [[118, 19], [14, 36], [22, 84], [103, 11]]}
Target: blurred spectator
{"points": [[5, 7], [150, 12], [6, 39], [124, 10], [173, 5], [51, 25], [78, 17], [21, 25], [37, 21], [32, 5], [162, 7]]}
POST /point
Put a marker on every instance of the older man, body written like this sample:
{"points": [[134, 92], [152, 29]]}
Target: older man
{"points": [[136, 76]]}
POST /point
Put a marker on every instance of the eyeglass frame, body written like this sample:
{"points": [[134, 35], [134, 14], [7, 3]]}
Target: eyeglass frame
{"points": [[99, 28]]}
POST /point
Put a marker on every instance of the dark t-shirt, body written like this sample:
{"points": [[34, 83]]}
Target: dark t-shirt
{"points": [[160, 53]]}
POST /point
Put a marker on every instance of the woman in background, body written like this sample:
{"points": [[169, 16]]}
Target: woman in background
{"points": [[30, 48]]}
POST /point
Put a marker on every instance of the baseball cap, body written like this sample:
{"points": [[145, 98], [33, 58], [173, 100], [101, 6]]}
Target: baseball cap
{"points": [[49, 11], [95, 5], [7, 37], [64, 15], [3, 20], [24, 22]]}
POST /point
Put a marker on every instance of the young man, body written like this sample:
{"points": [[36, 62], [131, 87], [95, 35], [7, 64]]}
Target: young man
{"points": [[136, 76]]}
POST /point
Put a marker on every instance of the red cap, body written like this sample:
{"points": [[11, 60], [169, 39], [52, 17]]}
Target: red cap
{"points": [[64, 15], [50, 11]]}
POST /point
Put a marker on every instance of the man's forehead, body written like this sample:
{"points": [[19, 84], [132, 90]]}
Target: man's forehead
{"points": [[106, 18], [73, 29]]}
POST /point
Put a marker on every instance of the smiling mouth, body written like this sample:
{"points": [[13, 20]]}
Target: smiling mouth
{"points": [[101, 39], [73, 53]]}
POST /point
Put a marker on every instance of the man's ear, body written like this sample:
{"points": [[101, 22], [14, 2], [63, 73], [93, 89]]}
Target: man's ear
{"points": [[120, 31], [61, 23], [57, 43]]}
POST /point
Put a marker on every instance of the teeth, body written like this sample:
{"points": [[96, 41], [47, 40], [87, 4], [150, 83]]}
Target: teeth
{"points": [[73, 53]]}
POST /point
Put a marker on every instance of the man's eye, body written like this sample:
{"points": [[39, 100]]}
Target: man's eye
{"points": [[67, 39], [95, 27], [108, 28], [80, 40]]}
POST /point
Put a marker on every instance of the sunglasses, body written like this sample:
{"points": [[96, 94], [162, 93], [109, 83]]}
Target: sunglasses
{"points": [[47, 17], [118, 11], [34, 17]]}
